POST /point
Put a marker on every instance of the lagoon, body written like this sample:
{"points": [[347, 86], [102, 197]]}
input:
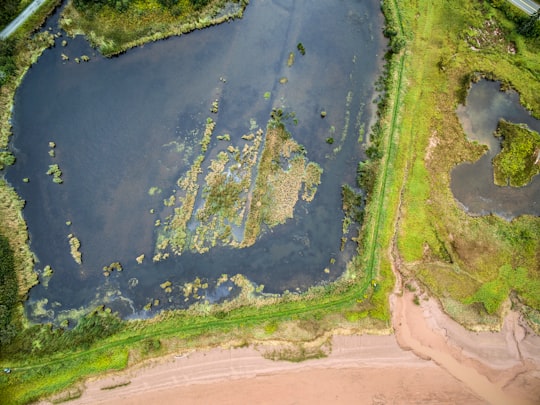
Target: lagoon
{"points": [[472, 183], [126, 129]]}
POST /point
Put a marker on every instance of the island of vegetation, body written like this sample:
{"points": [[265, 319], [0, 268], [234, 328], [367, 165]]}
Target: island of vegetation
{"points": [[234, 206], [412, 224], [519, 160], [113, 26]]}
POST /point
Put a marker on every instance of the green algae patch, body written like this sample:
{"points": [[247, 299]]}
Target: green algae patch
{"points": [[519, 160]]}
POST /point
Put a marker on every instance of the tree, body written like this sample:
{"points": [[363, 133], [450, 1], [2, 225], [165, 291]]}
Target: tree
{"points": [[8, 290], [8, 11], [530, 26]]}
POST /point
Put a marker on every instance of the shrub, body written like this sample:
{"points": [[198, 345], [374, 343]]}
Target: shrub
{"points": [[8, 291], [6, 159]]}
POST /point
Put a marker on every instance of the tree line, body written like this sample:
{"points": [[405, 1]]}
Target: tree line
{"points": [[8, 11], [122, 5], [8, 291]]}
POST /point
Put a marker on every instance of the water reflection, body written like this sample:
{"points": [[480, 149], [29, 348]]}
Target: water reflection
{"points": [[472, 183], [128, 125]]}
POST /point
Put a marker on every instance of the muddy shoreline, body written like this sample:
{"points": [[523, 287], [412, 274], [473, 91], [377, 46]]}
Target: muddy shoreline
{"points": [[429, 358]]}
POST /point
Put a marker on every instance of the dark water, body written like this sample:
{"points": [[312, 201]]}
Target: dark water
{"points": [[472, 183], [126, 124]]}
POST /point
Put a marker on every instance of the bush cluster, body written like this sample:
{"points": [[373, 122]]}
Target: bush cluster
{"points": [[8, 66], [528, 26], [8, 11], [8, 291], [392, 30], [123, 5]]}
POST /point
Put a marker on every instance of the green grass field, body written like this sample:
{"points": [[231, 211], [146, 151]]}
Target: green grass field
{"points": [[451, 253]]}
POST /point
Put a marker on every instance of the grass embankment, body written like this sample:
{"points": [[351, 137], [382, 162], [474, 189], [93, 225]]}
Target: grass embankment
{"points": [[451, 253], [116, 27], [46, 360], [291, 318]]}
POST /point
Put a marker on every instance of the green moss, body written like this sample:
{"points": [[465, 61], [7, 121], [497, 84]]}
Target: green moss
{"points": [[519, 160]]}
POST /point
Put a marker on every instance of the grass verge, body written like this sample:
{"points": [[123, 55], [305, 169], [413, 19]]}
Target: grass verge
{"points": [[450, 252]]}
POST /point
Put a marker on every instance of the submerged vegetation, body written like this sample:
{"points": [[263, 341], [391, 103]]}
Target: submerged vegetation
{"points": [[281, 172], [231, 199], [519, 160]]}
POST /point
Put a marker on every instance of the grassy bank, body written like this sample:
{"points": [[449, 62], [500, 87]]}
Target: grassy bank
{"points": [[45, 365], [116, 27], [451, 253]]}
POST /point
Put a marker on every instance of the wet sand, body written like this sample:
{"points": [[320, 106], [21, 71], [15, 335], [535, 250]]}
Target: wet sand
{"points": [[430, 360], [360, 369]]}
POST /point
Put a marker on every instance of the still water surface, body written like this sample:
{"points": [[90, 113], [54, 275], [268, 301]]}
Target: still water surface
{"points": [[124, 125], [472, 183]]}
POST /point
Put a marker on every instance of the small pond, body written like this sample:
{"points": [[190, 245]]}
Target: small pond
{"points": [[125, 129], [472, 183]]}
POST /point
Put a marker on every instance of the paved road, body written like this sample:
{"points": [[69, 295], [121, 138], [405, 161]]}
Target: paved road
{"points": [[529, 6], [21, 18]]}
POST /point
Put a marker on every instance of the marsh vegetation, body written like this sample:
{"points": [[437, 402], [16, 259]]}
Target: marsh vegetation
{"points": [[471, 263], [436, 237], [240, 190], [519, 159], [115, 26]]}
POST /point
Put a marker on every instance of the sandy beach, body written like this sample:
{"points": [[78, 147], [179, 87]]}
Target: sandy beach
{"points": [[429, 360]]}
